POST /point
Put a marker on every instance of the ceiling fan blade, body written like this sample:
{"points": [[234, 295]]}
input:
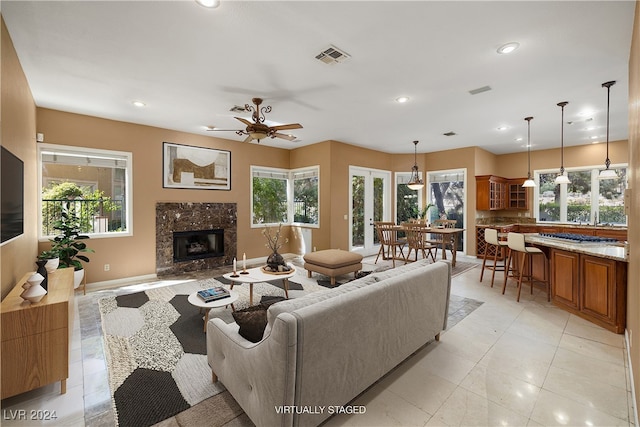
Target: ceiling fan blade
{"points": [[283, 136], [224, 130], [248, 139], [245, 121], [286, 127]]}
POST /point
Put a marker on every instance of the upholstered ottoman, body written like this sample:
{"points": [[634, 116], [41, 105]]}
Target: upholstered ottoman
{"points": [[332, 263]]}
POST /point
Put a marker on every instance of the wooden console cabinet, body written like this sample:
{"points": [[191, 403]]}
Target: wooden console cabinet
{"points": [[36, 337]]}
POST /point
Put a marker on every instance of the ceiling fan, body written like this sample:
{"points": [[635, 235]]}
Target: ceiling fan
{"points": [[257, 129]]}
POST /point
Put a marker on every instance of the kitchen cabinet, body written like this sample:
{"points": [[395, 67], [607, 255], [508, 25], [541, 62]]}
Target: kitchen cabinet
{"points": [[491, 193], [591, 287], [517, 195]]}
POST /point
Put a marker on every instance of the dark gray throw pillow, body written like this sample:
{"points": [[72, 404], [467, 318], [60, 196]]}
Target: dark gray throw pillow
{"points": [[252, 321]]}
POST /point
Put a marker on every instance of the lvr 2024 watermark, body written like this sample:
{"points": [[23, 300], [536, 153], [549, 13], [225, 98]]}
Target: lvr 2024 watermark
{"points": [[28, 415]]}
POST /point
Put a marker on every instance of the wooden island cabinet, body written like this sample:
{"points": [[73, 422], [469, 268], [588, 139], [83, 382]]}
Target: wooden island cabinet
{"points": [[36, 337]]}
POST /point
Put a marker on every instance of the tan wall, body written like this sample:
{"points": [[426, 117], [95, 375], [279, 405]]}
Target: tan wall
{"points": [[18, 135], [633, 287], [316, 154], [135, 255], [514, 165]]}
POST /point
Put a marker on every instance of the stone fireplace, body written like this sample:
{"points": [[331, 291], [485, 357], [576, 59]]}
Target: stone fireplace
{"points": [[194, 236]]}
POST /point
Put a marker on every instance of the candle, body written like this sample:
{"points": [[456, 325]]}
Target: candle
{"points": [[244, 262], [234, 264]]}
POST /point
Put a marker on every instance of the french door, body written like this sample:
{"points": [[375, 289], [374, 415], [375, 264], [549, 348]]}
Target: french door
{"points": [[446, 192], [369, 201]]}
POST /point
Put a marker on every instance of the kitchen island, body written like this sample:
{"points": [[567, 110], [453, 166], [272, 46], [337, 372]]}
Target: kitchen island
{"points": [[588, 279]]}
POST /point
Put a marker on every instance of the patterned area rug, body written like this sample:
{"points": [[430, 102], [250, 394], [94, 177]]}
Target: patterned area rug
{"points": [[156, 350]]}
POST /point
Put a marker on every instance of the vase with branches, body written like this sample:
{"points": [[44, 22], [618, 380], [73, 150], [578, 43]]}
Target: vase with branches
{"points": [[275, 261]]}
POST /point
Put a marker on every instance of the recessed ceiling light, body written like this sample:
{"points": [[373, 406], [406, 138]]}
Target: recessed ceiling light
{"points": [[594, 137], [503, 128], [518, 139], [595, 142], [212, 4], [402, 99], [508, 47], [590, 128], [139, 103], [586, 113]]}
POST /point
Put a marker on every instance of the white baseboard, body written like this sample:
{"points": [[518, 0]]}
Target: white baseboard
{"points": [[633, 388], [96, 286]]}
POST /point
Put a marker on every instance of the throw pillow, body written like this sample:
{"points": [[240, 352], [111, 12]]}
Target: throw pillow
{"points": [[252, 321], [268, 300]]}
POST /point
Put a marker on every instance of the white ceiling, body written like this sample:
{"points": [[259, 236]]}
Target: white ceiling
{"points": [[190, 65]]}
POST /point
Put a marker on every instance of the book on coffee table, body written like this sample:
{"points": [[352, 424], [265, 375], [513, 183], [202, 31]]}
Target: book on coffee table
{"points": [[213, 294]]}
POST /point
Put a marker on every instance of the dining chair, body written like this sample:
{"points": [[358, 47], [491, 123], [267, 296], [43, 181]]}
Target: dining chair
{"points": [[416, 241], [516, 244], [389, 242], [436, 239]]}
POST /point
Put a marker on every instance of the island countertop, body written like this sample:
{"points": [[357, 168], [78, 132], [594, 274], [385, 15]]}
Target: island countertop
{"points": [[615, 251]]}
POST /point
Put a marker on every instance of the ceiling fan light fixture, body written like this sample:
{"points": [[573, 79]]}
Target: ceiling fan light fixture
{"points": [[258, 135], [415, 183]]}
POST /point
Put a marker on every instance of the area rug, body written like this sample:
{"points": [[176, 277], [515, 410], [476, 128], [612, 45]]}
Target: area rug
{"points": [[156, 350]]}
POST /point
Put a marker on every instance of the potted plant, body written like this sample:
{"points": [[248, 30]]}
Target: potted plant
{"points": [[69, 244], [52, 259], [275, 261], [425, 211]]}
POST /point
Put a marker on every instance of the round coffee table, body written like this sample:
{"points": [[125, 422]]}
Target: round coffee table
{"points": [[194, 299]]}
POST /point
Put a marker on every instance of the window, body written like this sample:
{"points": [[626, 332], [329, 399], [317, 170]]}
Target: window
{"points": [[94, 185], [408, 201], [586, 200], [305, 196], [285, 196]]}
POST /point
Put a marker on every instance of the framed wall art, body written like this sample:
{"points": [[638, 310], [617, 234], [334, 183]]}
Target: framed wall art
{"points": [[195, 168]]}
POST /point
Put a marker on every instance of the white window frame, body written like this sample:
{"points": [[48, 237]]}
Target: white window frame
{"points": [[288, 175], [125, 156], [595, 190]]}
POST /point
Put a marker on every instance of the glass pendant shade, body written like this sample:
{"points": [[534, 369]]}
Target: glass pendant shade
{"points": [[415, 183], [608, 173], [562, 178], [529, 182]]}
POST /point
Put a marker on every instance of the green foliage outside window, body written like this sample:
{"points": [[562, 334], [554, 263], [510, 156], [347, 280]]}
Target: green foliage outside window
{"points": [[269, 200], [81, 201]]}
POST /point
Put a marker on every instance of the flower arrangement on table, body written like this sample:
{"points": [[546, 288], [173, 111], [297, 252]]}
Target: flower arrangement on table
{"points": [[275, 261]]}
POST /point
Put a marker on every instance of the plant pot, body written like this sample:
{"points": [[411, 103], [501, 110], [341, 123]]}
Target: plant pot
{"points": [[52, 265], [78, 275]]}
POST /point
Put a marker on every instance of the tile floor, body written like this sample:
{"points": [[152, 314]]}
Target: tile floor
{"points": [[507, 363]]}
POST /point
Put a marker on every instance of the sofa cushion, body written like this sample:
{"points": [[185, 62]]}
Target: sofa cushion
{"points": [[252, 321], [332, 258]]}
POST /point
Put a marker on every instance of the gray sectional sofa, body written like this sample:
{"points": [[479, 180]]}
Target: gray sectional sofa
{"points": [[321, 350]]}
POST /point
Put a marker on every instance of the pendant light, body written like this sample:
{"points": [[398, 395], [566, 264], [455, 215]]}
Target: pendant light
{"points": [[562, 178], [529, 182], [415, 183], [608, 173]]}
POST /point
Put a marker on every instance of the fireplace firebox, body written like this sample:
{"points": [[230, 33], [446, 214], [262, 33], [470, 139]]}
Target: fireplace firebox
{"points": [[197, 244]]}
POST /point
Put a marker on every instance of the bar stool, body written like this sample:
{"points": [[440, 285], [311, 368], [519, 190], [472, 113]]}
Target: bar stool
{"points": [[493, 243], [516, 244]]}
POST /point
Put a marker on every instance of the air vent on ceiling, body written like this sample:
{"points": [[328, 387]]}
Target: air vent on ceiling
{"points": [[238, 109], [332, 55], [450, 133], [480, 90]]}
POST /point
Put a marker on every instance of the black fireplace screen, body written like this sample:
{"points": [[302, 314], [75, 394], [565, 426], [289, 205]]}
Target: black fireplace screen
{"points": [[198, 244]]}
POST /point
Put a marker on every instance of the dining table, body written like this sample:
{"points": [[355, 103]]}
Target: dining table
{"points": [[449, 238]]}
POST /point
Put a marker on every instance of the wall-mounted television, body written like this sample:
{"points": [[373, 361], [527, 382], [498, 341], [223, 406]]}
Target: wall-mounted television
{"points": [[11, 196]]}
